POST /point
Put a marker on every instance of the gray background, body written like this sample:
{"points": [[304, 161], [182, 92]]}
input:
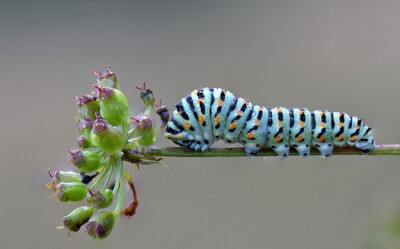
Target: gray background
{"points": [[338, 55]]}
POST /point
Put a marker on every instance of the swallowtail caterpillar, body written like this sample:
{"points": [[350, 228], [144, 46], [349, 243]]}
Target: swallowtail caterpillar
{"points": [[209, 114]]}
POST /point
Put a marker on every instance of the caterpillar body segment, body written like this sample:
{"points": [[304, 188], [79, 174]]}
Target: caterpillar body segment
{"points": [[300, 130], [211, 114]]}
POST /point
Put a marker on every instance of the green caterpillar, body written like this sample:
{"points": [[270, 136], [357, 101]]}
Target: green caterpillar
{"points": [[210, 114]]}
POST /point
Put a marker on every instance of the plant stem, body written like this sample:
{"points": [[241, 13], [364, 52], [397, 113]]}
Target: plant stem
{"points": [[108, 179], [100, 177], [121, 183], [118, 176], [134, 156]]}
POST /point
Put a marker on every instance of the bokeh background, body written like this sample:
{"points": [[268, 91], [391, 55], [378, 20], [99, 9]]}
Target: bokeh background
{"points": [[339, 55]]}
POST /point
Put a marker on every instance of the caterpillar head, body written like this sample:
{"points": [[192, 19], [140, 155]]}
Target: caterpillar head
{"points": [[366, 142], [177, 136]]}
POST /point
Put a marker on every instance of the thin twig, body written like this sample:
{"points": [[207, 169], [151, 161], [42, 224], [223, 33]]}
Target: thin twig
{"points": [[132, 155]]}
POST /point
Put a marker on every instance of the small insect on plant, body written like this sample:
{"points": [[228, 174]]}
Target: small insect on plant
{"points": [[108, 134]]}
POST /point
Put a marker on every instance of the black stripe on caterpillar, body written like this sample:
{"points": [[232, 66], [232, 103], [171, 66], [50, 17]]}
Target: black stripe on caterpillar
{"points": [[210, 114]]}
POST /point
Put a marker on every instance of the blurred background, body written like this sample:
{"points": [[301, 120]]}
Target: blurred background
{"points": [[339, 55]]}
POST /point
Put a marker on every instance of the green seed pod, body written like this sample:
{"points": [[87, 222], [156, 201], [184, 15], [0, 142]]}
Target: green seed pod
{"points": [[107, 78], [101, 224], [86, 160], [82, 141], [107, 137], [71, 191], [143, 128], [113, 106], [63, 176], [88, 105], [147, 96], [162, 111], [100, 199], [79, 216], [84, 129]]}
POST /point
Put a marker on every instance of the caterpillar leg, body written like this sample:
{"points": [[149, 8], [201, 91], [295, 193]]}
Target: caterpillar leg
{"points": [[303, 149], [325, 149], [282, 150], [251, 149]]}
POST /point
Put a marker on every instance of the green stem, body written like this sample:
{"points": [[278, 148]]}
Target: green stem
{"points": [[121, 182], [100, 177], [132, 156], [108, 179], [118, 177]]}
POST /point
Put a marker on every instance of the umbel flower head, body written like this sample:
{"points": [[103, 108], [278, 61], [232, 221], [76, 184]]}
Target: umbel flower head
{"points": [[104, 131]]}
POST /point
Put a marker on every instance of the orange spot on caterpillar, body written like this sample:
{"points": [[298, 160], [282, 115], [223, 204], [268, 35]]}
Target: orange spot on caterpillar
{"points": [[301, 123], [239, 112], [322, 138], [179, 136], [353, 138], [200, 100], [243, 101], [339, 138], [278, 139], [299, 138], [220, 102], [279, 123], [195, 92], [232, 125], [340, 124], [187, 124], [217, 120], [260, 109], [201, 118], [256, 121], [300, 111], [250, 135], [321, 113], [357, 127], [322, 124], [278, 109]]}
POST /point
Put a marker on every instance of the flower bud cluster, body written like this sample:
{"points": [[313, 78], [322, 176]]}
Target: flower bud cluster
{"points": [[105, 130]]}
